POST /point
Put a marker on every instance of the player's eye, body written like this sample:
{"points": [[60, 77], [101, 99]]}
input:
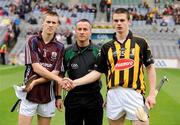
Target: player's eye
{"points": [[51, 22], [116, 20]]}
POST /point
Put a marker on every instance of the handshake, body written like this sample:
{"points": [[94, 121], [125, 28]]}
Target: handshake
{"points": [[67, 84]]}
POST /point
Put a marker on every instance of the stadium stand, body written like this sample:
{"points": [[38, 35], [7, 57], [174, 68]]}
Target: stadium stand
{"points": [[147, 22]]}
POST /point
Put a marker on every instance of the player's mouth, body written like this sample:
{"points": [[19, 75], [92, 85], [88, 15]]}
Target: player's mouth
{"points": [[50, 29], [119, 28], [81, 36]]}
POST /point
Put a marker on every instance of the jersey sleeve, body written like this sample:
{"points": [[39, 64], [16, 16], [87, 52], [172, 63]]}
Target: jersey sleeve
{"points": [[31, 51], [147, 55], [102, 61]]}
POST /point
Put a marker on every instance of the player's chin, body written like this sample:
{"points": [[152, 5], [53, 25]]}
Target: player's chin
{"points": [[82, 39], [50, 32], [120, 30]]}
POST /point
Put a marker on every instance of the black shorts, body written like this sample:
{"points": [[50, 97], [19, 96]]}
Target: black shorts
{"points": [[84, 109]]}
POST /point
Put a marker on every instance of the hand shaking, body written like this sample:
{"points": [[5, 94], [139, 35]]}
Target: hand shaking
{"points": [[68, 84]]}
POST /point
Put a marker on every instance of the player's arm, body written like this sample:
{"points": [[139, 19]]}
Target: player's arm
{"points": [[87, 79], [58, 97], [43, 79], [151, 73], [40, 70]]}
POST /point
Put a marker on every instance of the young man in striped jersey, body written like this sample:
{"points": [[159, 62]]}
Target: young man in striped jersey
{"points": [[122, 60], [43, 58]]}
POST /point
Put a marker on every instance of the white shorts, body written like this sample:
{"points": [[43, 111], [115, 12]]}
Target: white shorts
{"points": [[123, 101], [29, 108]]}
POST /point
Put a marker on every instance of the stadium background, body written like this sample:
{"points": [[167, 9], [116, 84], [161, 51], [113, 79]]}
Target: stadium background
{"points": [[156, 20]]}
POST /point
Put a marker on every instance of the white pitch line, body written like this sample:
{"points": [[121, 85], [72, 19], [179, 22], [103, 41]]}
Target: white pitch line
{"points": [[9, 67]]}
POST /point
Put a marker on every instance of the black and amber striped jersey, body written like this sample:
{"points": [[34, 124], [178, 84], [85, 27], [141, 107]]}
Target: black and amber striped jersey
{"points": [[123, 63]]}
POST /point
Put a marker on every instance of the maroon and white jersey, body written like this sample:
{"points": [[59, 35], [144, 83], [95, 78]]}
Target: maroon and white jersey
{"points": [[48, 55]]}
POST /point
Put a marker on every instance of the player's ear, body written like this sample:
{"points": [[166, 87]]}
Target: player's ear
{"points": [[59, 22], [130, 21]]}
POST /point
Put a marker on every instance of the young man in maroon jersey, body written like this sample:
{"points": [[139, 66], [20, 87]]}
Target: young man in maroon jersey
{"points": [[43, 58]]}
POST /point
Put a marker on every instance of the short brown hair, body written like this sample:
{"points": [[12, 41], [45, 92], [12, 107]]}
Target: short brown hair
{"points": [[84, 20], [122, 10]]}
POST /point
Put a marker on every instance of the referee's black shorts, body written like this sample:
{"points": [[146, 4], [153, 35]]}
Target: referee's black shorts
{"points": [[83, 109]]}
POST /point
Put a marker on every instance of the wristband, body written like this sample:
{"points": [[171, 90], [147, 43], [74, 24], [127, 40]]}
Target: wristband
{"points": [[58, 97]]}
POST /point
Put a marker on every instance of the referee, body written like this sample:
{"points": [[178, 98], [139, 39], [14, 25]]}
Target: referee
{"points": [[83, 105]]}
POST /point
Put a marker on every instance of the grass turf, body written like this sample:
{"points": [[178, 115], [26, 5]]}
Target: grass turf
{"points": [[166, 112]]}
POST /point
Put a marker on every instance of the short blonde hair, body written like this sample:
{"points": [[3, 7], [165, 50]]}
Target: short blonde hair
{"points": [[51, 13]]}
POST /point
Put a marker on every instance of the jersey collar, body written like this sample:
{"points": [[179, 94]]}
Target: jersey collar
{"points": [[76, 48], [129, 36], [40, 37]]}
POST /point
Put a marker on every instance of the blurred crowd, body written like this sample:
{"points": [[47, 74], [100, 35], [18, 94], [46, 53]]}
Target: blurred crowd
{"points": [[28, 12], [152, 14]]}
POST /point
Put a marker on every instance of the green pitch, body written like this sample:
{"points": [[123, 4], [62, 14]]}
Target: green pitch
{"points": [[166, 112]]}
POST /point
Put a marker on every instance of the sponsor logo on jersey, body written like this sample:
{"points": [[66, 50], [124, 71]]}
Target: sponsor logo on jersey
{"points": [[47, 65], [123, 64]]}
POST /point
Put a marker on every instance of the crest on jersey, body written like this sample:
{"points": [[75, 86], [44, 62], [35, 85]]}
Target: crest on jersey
{"points": [[53, 55]]}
